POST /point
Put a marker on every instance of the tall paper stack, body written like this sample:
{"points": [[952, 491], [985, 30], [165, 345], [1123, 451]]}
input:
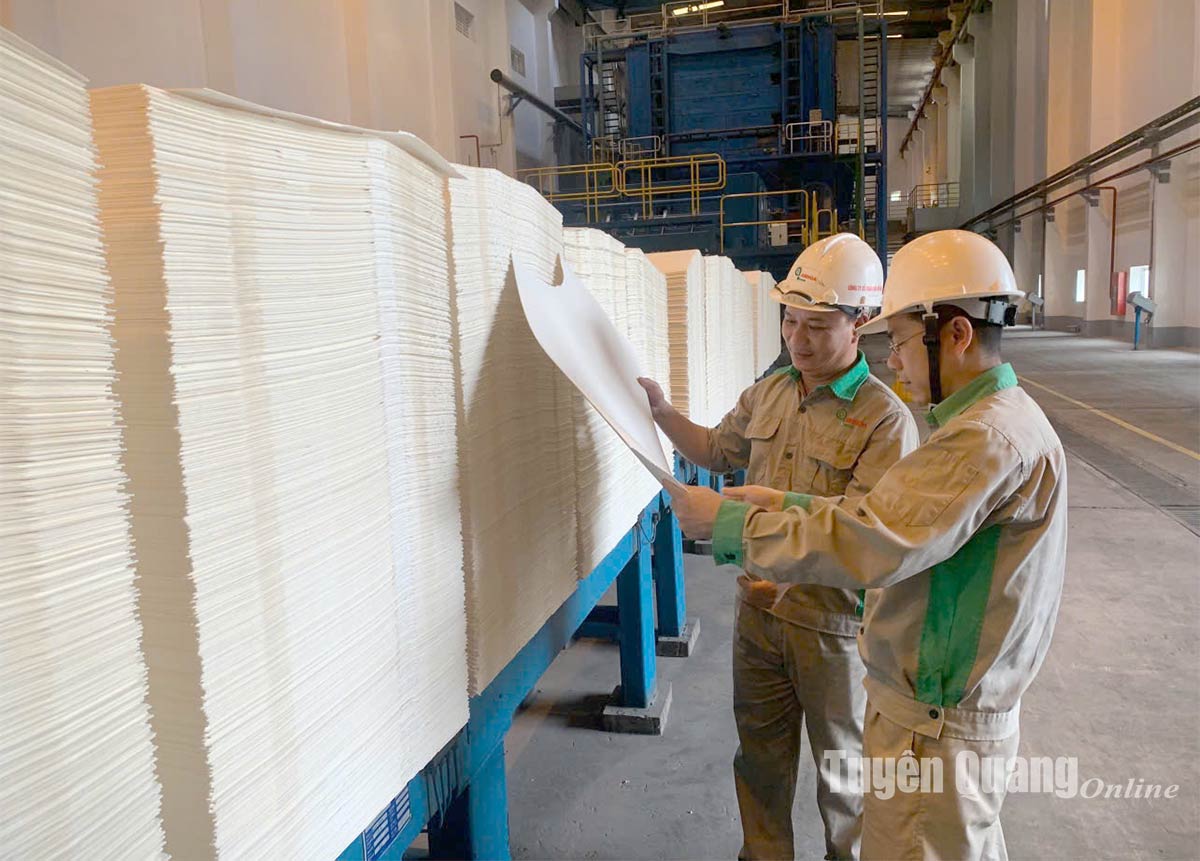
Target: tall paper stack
{"points": [[612, 485], [303, 664], [648, 317], [516, 424], [724, 335], [745, 325], [767, 343], [648, 312], [684, 272], [76, 757]]}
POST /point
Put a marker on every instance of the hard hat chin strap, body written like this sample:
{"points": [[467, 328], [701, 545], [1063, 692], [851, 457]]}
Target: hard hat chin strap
{"points": [[933, 348]]}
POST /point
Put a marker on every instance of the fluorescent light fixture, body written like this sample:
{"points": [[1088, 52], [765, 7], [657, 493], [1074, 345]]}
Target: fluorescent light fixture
{"points": [[697, 7], [895, 14], [895, 35]]}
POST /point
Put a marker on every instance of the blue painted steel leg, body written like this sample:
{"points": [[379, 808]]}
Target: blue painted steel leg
{"points": [[1137, 326], [476, 823], [668, 573], [636, 611]]}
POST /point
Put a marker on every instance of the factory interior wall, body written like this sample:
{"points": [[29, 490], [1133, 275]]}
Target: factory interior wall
{"points": [[375, 63], [1040, 86]]}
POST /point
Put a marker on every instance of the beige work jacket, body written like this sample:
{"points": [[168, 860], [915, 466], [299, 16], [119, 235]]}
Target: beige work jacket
{"points": [[965, 541], [839, 440]]}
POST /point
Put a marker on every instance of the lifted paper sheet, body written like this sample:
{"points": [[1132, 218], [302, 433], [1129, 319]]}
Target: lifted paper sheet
{"points": [[576, 333]]}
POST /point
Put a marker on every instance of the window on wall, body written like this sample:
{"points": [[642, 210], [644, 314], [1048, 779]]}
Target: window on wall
{"points": [[464, 21], [1139, 280], [1080, 285], [518, 60], [895, 196]]}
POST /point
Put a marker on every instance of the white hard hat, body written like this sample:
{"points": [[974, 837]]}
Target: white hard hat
{"points": [[839, 270], [946, 267]]}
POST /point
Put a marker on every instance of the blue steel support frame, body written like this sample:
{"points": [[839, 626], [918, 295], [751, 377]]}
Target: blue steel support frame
{"points": [[668, 572], [462, 795]]}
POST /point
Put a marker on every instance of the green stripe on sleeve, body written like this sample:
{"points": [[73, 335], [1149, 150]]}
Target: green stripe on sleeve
{"points": [[803, 500], [958, 597], [727, 532]]}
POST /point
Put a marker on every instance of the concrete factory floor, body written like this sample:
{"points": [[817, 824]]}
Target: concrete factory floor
{"points": [[1120, 689]]}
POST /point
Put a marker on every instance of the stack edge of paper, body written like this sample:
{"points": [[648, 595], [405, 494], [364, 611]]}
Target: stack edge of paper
{"points": [[684, 273], [725, 336], [516, 434], [767, 311], [304, 660], [612, 486], [77, 775]]}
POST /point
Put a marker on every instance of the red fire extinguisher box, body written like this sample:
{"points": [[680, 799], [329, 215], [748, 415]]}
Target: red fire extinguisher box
{"points": [[1117, 293]]}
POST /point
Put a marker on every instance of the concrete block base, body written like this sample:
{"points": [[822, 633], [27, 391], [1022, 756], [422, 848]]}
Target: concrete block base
{"points": [[651, 720], [682, 646]]}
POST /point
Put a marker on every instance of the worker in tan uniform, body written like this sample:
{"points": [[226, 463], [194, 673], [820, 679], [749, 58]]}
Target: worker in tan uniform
{"points": [[826, 426], [963, 541]]}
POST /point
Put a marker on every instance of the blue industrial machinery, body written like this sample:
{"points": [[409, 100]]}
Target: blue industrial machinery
{"points": [[720, 129]]}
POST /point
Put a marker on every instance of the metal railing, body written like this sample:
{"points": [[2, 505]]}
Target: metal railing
{"points": [[599, 182], [932, 195], [605, 148], [656, 177], [803, 219], [809, 138], [641, 147]]}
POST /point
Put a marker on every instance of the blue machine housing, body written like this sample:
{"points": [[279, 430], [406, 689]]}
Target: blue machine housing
{"points": [[731, 91]]}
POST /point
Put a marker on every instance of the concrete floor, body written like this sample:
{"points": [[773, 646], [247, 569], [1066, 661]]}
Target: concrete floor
{"points": [[1120, 689]]}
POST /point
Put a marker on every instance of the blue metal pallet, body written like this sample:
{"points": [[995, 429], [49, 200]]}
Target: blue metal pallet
{"points": [[462, 795]]}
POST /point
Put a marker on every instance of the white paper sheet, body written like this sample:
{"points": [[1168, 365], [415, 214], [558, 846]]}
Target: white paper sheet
{"points": [[576, 333]]}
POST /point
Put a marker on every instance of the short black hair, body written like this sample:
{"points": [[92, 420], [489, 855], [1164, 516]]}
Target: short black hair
{"points": [[988, 334]]}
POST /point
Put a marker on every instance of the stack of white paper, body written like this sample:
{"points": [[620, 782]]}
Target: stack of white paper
{"points": [[687, 390], [516, 423], [76, 757], [725, 336], [612, 485], [304, 659], [745, 318], [767, 343], [649, 315], [647, 294]]}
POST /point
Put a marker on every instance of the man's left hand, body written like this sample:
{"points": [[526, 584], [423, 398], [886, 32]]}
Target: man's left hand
{"points": [[696, 508]]}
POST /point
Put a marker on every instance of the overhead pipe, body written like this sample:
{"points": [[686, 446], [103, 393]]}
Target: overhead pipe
{"points": [[545, 107], [940, 63], [1164, 127], [1141, 165]]}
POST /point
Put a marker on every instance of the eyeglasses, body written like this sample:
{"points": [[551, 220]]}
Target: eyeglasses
{"points": [[895, 346]]}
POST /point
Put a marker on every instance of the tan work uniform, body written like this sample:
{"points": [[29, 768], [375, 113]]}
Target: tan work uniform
{"points": [[965, 541], [795, 660]]}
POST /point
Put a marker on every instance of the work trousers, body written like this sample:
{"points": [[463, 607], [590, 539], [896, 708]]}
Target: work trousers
{"points": [[961, 822], [788, 679]]}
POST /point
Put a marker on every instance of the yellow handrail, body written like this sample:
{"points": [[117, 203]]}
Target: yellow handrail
{"points": [[647, 188], [599, 183], [803, 220]]}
